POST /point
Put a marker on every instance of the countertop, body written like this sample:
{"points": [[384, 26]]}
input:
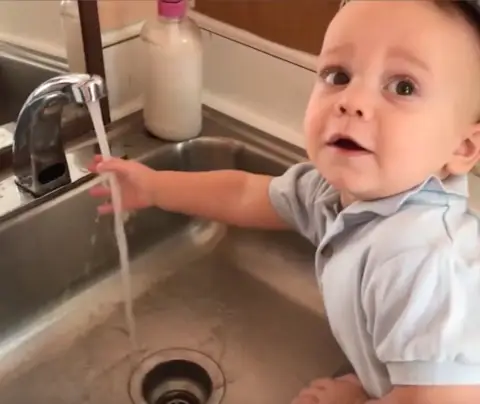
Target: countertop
{"points": [[474, 183]]}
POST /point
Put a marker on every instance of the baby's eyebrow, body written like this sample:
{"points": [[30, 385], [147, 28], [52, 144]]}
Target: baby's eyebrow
{"points": [[402, 53], [346, 49]]}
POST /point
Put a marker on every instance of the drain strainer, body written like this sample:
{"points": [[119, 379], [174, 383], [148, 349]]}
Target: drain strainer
{"points": [[177, 376]]}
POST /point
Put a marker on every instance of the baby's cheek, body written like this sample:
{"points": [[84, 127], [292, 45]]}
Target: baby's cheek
{"points": [[313, 123], [309, 119], [314, 109], [312, 144]]}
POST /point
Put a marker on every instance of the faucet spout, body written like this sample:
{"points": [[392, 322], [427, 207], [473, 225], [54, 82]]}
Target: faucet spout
{"points": [[39, 160]]}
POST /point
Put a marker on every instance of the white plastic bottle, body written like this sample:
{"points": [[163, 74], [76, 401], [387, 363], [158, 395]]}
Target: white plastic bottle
{"points": [[173, 73]]}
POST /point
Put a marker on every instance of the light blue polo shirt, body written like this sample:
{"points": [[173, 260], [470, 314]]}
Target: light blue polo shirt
{"points": [[400, 277]]}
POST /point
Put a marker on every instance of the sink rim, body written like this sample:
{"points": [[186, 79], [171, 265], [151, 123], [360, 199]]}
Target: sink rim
{"points": [[130, 130]]}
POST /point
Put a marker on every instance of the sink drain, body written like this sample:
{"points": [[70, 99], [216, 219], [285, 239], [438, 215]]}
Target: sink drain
{"points": [[177, 376]]}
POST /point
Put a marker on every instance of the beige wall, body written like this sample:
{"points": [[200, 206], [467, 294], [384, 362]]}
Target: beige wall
{"points": [[37, 23], [118, 14], [33, 23]]}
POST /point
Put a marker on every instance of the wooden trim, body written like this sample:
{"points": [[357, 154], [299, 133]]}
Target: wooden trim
{"points": [[297, 24], [92, 46]]}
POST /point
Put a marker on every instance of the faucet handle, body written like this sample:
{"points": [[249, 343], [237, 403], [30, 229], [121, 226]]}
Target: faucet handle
{"points": [[90, 90]]}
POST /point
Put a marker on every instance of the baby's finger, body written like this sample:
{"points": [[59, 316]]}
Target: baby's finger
{"points": [[350, 378], [305, 400], [92, 167], [310, 395], [99, 191], [105, 209], [114, 165], [321, 384]]}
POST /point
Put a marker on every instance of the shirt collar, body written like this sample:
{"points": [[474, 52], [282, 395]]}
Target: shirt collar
{"points": [[432, 189]]}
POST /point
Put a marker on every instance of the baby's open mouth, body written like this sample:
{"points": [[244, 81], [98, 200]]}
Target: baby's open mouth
{"points": [[346, 143]]}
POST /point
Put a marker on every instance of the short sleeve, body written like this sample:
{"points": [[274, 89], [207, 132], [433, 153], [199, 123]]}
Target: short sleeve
{"points": [[423, 313], [294, 196]]}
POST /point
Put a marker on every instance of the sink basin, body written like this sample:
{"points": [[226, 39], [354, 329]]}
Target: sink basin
{"points": [[244, 300], [20, 74]]}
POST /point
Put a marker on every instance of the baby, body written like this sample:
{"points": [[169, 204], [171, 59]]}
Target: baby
{"points": [[392, 130]]}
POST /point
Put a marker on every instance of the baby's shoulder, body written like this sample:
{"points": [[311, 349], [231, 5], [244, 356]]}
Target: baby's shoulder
{"points": [[426, 231]]}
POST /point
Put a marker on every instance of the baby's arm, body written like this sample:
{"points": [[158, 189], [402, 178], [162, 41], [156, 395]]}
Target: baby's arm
{"points": [[231, 196], [234, 197]]}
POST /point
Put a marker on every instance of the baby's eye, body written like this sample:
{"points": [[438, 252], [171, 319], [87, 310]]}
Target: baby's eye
{"points": [[404, 87], [335, 76]]}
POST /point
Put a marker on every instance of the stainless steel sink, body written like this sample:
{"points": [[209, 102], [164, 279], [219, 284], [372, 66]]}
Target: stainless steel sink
{"points": [[21, 72], [244, 300]]}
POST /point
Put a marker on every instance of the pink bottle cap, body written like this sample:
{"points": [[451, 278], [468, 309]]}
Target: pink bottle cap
{"points": [[172, 8]]}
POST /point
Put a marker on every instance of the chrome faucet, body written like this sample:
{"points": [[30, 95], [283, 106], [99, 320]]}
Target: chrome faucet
{"points": [[39, 160]]}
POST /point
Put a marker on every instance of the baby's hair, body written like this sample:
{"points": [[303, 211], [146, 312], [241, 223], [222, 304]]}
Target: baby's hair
{"points": [[469, 9]]}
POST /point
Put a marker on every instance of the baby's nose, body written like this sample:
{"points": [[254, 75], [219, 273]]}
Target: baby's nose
{"points": [[344, 111], [356, 101]]}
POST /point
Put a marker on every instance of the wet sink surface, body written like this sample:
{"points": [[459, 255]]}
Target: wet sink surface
{"points": [[267, 345]]}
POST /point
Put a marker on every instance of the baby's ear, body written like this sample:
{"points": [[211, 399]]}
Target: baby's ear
{"points": [[467, 154]]}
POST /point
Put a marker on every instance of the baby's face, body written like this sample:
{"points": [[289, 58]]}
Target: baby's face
{"points": [[397, 98]]}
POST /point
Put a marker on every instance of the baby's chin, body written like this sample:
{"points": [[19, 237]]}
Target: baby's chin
{"points": [[355, 187], [363, 182], [342, 177], [367, 184]]}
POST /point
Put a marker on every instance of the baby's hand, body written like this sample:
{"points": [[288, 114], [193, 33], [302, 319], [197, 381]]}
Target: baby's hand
{"points": [[343, 390], [138, 183]]}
